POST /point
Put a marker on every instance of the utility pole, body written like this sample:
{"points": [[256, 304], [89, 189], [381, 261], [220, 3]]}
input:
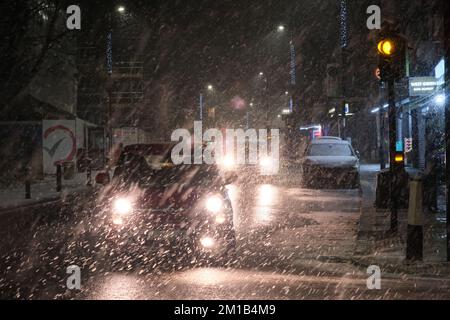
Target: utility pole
{"points": [[382, 130], [381, 135], [109, 67], [392, 114], [247, 121], [264, 77], [391, 50], [447, 116], [201, 106]]}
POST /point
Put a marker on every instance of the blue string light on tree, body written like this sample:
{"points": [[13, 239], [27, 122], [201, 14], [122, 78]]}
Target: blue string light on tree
{"points": [[293, 75], [343, 24], [109, 58]]}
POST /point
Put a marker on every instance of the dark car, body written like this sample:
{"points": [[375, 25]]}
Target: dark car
{"points": [[151, 202], [330, 161]]}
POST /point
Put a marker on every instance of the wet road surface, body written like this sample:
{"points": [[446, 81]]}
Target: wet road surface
{"points": [[292, 243]]}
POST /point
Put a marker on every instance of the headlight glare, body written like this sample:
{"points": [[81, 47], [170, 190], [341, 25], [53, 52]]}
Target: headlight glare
{"points": [[207, 242], [122, 206], [227, 163], [220, 218], [266, 162], [214, 204]]}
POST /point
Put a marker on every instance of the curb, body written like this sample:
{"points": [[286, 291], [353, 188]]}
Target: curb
{"points": [[421, 269], [56, 198]]}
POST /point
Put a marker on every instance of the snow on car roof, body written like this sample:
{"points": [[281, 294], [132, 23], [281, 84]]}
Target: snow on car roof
{"points": [[329, 137], [329, 140]]}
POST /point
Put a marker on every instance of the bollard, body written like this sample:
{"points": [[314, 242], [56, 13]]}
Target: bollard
{"points": [[414, 240], [58, 177], [27, 171], [89, 175]]}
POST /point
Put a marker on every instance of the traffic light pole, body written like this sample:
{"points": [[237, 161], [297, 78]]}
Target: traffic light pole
{"points": [[381, 127], [392, 52], [447, 115], [393, 167], [381, 147], [343, 131]]}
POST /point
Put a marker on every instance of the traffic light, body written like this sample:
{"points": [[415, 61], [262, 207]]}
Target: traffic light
{"points": [[391, 49], [386, 47], [399, 158]]}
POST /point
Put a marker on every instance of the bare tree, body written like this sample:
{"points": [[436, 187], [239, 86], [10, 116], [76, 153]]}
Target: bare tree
{"points": [[30, 30]]}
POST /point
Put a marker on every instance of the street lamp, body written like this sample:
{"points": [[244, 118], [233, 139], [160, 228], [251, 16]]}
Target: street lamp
{"points": [[210, 88], [281, 29], [121, 9]]}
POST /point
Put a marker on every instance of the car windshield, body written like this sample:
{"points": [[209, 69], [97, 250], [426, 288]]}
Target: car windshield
{"points": [[330, 150], [193, 175], [158, 169]]}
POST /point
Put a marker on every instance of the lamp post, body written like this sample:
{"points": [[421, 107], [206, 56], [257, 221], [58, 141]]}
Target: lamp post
{"points": [[109, 67], [265, 78], [210, 88], [292, 65], [281, 29]]}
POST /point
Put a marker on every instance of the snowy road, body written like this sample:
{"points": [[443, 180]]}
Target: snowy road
{"points": [[292, 243]]}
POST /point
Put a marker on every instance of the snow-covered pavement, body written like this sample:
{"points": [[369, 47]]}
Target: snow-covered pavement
{"points": [[42, 191]]}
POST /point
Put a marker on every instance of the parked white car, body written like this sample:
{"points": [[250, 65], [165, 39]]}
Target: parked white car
{"points": [[330, 161]]}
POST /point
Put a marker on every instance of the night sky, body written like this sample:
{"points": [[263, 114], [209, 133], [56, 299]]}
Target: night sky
{"points": [[227, 43], [186, 45]]}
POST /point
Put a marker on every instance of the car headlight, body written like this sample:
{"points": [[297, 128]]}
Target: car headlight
{"points": [[118, 221], [214, 204], [266, 162], [220, 218], [207, 242], [227, 163], [268, 165], [122, 206]]}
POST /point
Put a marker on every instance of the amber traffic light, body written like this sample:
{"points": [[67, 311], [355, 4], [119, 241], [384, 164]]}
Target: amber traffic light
{"points": [[399, 158], [392, 56], [386, 47]]}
